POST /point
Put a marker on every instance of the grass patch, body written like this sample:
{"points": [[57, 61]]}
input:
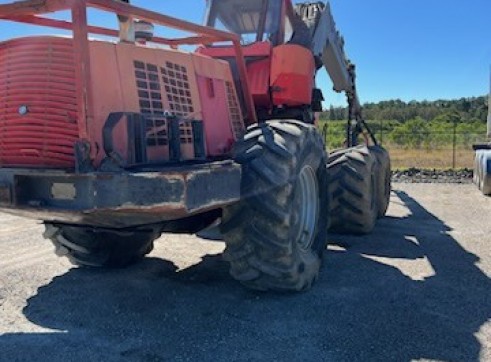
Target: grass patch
{"points": [[430, 159]]}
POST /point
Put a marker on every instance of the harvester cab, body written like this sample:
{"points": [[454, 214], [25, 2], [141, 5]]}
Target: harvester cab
{"points": [[255, 21]]}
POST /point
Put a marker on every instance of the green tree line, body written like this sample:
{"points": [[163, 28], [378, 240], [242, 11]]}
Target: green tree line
{"points": [[469, 109]]}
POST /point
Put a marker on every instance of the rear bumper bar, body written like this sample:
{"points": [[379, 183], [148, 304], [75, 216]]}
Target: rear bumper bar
{"points": [[119, 199]]}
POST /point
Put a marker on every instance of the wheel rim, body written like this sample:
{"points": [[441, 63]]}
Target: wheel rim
{"points": [[307, 204]]}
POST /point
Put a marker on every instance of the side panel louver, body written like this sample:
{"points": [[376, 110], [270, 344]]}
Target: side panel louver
{"points": [[38, 106]]}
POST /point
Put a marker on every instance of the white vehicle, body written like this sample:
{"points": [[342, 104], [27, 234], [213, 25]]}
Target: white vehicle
{"points": [[482, 163]]}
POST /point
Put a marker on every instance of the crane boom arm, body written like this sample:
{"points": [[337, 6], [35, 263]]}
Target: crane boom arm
{"points": [[327, 45]]}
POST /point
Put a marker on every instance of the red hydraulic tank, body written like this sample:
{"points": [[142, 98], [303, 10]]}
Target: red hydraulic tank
{"points": [[292, 75]]}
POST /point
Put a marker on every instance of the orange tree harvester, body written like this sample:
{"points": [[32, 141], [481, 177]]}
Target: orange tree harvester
{"points": [[113, 142]]}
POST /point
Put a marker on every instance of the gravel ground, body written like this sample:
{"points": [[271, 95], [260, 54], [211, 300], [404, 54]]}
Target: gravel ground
{"points": [[418, 288], [416, 175]]}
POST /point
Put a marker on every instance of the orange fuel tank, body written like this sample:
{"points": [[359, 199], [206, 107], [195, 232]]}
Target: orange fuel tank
{"points": [[292, 75]]}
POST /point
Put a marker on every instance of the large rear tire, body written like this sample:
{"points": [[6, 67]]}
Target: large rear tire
{"points": [[276, 235], [353, 191], [383, 179], [98, 247]]}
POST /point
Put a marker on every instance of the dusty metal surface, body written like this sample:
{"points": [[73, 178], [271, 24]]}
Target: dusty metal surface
{"points": [[119, 199], [417, 289]]}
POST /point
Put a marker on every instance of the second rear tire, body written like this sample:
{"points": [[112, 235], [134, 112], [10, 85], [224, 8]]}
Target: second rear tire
{"points": [[353, 191], [383, 179]]}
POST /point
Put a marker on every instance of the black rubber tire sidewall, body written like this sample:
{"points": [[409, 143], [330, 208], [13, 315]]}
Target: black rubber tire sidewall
{"points": [[100, 247], [352, 191], [260, 248], [383, 179]]}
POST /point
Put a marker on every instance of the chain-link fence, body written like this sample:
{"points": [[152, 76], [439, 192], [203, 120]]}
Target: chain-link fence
{"points": [[444, 148]]}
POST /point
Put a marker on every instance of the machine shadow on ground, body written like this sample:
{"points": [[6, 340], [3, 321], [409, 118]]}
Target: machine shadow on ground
{"points": [[359, 310]]}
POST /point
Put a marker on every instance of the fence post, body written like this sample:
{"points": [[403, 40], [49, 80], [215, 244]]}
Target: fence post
{"points": [[381, 132], [324, 132], [454, 155]]}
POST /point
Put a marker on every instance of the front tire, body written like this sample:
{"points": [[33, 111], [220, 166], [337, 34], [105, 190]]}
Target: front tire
{"points": [[100, 247], [275, 236]]}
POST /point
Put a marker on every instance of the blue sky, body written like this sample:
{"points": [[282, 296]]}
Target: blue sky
{"points": [[418, 49]]}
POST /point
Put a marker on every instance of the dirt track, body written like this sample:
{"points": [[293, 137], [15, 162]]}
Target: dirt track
{"points": [[418, 288]]}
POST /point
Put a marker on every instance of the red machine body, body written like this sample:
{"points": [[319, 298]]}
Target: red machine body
{"points": [[39, 116], [58, 91]]}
